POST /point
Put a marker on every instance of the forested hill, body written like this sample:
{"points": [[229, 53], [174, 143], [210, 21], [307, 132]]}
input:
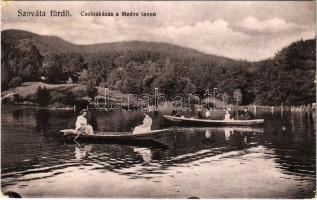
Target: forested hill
{"points": [[137, 67], [45, 44], [52, 44]]}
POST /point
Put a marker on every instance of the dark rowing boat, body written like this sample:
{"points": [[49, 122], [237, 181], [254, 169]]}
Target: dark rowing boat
{"points": [[206, 122], [114, 136]]}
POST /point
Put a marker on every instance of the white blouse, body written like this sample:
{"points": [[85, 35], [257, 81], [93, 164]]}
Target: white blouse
{"points": [[81, 121]]}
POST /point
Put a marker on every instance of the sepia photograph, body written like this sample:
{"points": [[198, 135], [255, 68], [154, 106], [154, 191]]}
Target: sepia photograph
{"points": [[158, 99]]}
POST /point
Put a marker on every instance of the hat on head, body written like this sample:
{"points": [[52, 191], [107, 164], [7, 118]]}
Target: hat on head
{"points": [[84, 110]]}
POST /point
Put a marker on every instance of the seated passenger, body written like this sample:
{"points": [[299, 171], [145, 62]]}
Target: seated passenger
{"points": [[145, 127], [208, 113], [227, 115]]}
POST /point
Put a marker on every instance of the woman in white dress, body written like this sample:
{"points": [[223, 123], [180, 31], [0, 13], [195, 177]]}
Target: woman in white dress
{"points": [[227, 116], [145, 127]]}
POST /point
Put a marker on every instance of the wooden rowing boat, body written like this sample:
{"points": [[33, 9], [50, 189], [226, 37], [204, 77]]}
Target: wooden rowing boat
{"points": [[114, 136], [206, 122]]}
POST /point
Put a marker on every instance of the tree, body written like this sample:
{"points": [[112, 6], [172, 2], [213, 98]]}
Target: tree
{"points": [[133, 81], [117, 79], [184, 86], [92, 91], [167, 81], [52, 68], [236, 78], [289, 77], [15, 82], [72, 62], [43, 96], [20, 58], [5, 78], [225, 98], [237, 95]]}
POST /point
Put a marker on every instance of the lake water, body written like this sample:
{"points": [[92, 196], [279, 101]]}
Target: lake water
{"points": [[273, 161]]}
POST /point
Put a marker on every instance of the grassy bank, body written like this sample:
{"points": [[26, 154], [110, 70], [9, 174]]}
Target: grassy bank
{"points": [[62, 95]]}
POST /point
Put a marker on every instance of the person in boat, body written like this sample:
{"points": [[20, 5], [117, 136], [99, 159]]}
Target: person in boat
{"points": [[208, 112], [82, 125], [246, 115], [145, 127], [227, 115]]}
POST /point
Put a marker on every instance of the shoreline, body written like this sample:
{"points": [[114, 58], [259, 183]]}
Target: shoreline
{"points": [[252, 108]]}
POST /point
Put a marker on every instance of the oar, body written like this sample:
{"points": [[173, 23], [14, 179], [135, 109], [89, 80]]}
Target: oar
{"points": [[76, 142], [77, 135]]}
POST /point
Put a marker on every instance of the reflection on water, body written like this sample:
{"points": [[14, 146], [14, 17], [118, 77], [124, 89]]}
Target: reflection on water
{"points": [[43, 120], [208, 133], [145, 153], [228, 132], [276, 160], [81, 151]]}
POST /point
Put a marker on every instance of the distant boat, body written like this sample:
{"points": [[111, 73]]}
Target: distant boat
{"points": [[206, 122]]}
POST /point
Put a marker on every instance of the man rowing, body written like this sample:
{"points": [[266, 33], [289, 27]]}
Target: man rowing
{"points": [[82, 125]]}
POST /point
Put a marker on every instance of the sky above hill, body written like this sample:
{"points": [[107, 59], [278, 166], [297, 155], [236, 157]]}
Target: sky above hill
{"points": [[239, 30]]}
